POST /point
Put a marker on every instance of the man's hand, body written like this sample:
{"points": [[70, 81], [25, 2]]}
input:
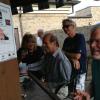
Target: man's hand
{"points": [[76, 64], [82, 96]]}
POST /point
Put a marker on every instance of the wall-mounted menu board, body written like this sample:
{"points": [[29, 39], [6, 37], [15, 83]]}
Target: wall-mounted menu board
{"points": [[7, 39]]}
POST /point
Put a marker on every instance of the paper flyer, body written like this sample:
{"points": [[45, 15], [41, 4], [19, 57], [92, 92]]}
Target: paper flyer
{"points": [[7, 39]]}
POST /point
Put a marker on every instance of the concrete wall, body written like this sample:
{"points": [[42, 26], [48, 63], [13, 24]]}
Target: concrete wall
{"points": [[31, 22], [95, 14], [84, 12], [84, 24]]}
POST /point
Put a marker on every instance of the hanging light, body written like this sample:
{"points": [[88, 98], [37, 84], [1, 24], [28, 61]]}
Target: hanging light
{"points": [[27, 8], [59, 3], [43, 4], [14, 10]]}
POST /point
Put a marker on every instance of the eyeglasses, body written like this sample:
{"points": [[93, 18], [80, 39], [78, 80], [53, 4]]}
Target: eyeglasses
{"points": [[94, 40], [66, 26]]}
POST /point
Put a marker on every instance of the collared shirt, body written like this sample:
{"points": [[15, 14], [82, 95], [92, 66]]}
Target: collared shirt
{"points": [[39, 41], [59, 55], [57, 69]]}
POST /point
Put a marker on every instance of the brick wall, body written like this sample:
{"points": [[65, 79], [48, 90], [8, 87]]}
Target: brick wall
{"points": [[31, 22], [95, 14], [85, 24], [84, 12]]}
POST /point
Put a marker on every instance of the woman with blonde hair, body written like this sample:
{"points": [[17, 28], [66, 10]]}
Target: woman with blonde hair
{"points": [[34, 54]]}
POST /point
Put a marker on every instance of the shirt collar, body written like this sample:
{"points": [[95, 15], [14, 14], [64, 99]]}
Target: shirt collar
{"points": [[56, 52]]}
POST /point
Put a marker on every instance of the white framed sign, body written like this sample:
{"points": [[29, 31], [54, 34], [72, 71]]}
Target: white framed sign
{"points": [[7, 39]]}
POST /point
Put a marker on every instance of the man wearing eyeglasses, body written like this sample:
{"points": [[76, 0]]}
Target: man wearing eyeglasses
{"points": [[94, 88], [75, 48]]}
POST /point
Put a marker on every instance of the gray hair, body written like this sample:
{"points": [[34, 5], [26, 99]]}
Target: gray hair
{"points": [[95, 27], [68, 22], [51, 38], [40, 30]]}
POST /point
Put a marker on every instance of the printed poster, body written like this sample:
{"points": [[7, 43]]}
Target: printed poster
{"points": [[7, 39]]}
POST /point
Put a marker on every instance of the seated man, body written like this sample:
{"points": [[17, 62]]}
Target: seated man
{"points": [[57, 69]]}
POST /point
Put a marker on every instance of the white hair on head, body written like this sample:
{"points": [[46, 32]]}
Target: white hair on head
{"points": [[96, 26], [40, 30]]}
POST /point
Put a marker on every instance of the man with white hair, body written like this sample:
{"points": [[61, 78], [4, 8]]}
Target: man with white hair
{"points": [[40, 33], [94, 89]]}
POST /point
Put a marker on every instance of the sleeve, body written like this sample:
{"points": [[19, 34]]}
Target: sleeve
{"points": [[65, 68], [44, 65], [63, 48], [80, 44], [19, 54], [40, 51]]}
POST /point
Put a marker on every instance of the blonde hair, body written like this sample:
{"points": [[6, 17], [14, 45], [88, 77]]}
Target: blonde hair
{"points": [[26, 39], [68, 22], [95, 27]]}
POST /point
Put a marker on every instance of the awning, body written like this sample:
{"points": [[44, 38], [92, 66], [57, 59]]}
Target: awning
{"points": [[28, 2], [42, 4]]}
